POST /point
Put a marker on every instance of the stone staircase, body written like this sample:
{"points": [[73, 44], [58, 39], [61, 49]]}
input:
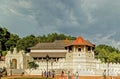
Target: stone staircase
{"points": [[15, 71]]}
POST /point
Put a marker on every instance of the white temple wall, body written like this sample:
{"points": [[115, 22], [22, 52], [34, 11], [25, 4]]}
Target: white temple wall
{"points": [[79, 61], [2, 64]]}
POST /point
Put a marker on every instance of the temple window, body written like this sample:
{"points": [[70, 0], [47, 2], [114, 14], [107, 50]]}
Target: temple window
{"points": [[70, 49], [35, 58], [79, 49], [89, 48]]}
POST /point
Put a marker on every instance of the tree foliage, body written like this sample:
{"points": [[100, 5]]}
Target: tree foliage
{"points": [[33, 65], [26, 42], [12, 42], [107, 54], [4, 37], [54, 36], [31, 40], [8, 40]]}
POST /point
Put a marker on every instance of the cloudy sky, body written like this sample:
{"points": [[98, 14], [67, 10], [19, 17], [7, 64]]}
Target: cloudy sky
{"points": [[95, 20]]}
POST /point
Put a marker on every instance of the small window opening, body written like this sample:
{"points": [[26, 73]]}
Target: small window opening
{"points": [[79, 49]]}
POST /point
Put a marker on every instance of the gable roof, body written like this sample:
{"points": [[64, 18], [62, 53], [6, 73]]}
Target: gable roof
{"points": [[57, 44]]}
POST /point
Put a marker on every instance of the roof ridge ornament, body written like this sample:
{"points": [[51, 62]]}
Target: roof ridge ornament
{"points": [[66, 40]]}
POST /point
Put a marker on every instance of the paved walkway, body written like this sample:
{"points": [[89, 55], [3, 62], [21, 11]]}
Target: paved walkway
{"points": [[58, 77]]}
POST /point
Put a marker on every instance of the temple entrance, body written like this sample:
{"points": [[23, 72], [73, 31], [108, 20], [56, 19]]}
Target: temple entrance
{"points": [[14, 63]]}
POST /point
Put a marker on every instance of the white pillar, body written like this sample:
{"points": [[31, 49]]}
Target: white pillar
{"points": [[73, 48], [84, 49]]}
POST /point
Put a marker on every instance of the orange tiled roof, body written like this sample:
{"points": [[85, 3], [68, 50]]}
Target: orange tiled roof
{"points": [[81, 41]]}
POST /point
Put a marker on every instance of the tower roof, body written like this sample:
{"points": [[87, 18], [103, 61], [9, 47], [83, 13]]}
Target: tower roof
{"points": [[81, 41]]}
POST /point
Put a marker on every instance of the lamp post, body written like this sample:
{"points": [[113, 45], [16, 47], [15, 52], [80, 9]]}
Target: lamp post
{"points": [[47, 59]]}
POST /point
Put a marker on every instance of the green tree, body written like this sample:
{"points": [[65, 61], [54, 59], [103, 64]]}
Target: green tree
{"points": [[54, 36], [107, 54], [12, 42], [4, 53], [4, 36], [33, 65], [26, 42]]}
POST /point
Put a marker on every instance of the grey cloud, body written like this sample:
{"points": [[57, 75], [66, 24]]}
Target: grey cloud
{"points": [[88, 18]]}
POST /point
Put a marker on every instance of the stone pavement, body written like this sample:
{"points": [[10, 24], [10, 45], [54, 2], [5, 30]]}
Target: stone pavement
{"points": [[58, 77]]}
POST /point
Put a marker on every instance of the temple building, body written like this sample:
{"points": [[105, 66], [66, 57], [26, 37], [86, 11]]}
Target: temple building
{"points": [[67, 55], [61, 55]]}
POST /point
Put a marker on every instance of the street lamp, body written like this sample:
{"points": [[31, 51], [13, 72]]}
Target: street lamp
{"points": [[47, 59]]}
